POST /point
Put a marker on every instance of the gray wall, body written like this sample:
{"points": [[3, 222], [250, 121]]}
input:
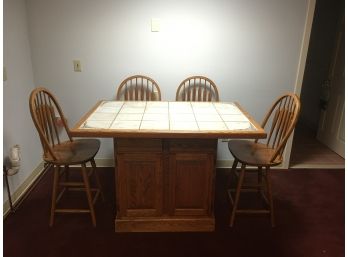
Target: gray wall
{"points": [[251, 49], [17, 125]]}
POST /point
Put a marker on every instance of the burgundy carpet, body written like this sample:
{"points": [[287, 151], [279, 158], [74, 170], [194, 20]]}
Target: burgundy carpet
{"points": [[309, 214]]}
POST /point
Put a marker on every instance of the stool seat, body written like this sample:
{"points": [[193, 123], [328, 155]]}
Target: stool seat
{"points": [[75, 152], [252, 153]]}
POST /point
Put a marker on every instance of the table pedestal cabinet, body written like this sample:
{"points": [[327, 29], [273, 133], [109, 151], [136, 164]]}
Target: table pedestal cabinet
{"points": [[165, 155], [165, 184]]}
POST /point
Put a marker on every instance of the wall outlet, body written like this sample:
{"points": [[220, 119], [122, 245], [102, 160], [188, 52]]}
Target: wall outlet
{"points": [[77, 65]]}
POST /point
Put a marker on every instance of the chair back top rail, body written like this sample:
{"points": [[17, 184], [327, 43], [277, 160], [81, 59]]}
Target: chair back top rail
{"points": [[138, 88], [197, 88]]}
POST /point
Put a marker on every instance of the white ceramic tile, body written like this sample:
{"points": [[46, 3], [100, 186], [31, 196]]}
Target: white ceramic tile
{"points": [[230, 111], [205, 111], [180, 107], [157, 104], [182, 117], [211, 125], [227, 108], [112, 104], [102, 116], [224, 105], [108, 109], [239, 126], [163, 110], [155, 125], [125, 124], [202, 104], [135, 104], [155, 117], [234, 117], [208, 117], [96, 124], [180, 104], [179, 125], [180, 110], [132, 110], [129, 116]]}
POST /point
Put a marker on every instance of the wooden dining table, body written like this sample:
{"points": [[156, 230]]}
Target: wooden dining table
{"points": [[165, 158]]}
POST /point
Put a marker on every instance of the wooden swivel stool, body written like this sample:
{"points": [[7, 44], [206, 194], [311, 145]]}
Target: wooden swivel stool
{"points": [[51, 125], [279, 123]]}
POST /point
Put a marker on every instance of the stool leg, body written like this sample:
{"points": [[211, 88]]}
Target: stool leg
{"points": [[54, 193], [259, 179], [67, 173], [230, 175], [67, 177], [94, 166], [236, 198], [88, 193], [270, 197]]}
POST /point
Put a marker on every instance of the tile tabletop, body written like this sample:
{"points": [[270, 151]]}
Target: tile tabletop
{"points": [[167, 116]]}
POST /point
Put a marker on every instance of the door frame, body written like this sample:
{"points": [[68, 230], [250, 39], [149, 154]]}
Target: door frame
{"points": [[300, 69]]}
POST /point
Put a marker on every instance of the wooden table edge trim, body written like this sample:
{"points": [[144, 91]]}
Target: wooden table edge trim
{"points": [[76, 131], [84, 117], [164, 134], [251, 119]]}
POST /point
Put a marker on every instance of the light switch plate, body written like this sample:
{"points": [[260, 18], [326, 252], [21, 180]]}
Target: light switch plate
{"points": [[155, 25], [77, 65]]}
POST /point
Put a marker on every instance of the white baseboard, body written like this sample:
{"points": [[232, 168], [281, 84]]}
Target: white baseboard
{"points": [[318, 166], [23, 188], [105, 162], [227, 164]]}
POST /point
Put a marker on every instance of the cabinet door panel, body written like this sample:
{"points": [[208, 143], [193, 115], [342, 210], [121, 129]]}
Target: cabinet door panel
{"points": [[140, 184], [191, 183]]}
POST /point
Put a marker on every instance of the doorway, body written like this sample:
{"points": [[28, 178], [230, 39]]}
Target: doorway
{"points": [[307, 151]]}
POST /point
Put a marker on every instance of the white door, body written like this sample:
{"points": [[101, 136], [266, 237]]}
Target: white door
{"points": [[331, 124]]}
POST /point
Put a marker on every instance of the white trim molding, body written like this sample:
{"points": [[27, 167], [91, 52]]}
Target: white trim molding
{"points": [[301, 69], [227, 164], [23, 188]]}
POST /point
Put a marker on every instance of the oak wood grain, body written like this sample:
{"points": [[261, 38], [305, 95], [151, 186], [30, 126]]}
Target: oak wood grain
{"points": [[161, 186]]}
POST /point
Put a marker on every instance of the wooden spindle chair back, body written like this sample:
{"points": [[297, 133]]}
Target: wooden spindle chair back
{"points": [[197, 89], [138, 88], [279, 123], [60, 150], [46, 113]]}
